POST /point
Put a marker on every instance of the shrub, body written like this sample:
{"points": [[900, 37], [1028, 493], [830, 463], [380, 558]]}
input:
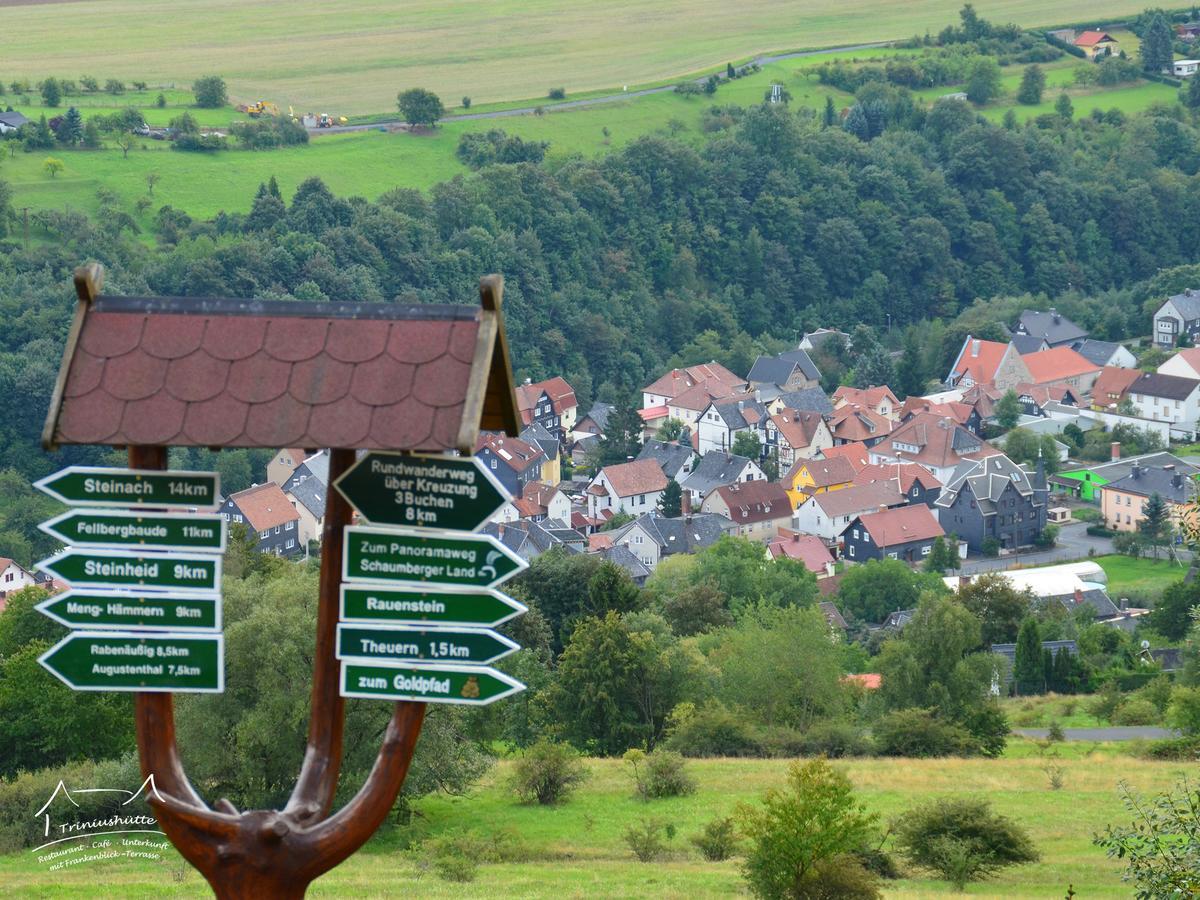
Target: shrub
{"points": [[1099, 531], [547, 773], [839, 878], [1136, 711], [1055, 732], [711, 730], [466, 102], [1184, 749], [113, 86], [478, 149], [201, 143], [1105, 703], [1046, 538], [647, 839], [1162, 845], [835, 739], [919, 733], [961, 838], [210, 92], [718, 841], [1055, 776], [990, 547], [1184, 710], [662, 773], [557, 93], [268, 133]]}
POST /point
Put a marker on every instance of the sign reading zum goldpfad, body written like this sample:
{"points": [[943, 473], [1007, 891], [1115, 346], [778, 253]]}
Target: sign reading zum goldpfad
{"points": [[127, 569], [394, 555], [95, 486], [469, 685], [124, 661], [443, 606], [149, 531], [415, 643], [422, 491], [96, 609]]}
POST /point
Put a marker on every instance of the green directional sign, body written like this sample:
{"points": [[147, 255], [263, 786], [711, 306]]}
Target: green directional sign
{"points": [[95, 486], [127, 569], [124, 661], [422, 491], [128, 609], [469, 685], [150, 531], [469, 560], [441, 606], [415, 643]]}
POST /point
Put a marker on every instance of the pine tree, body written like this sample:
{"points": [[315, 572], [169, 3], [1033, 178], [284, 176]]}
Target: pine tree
{"points": [[623, 436], [1008, 410], [910, 380], [856, 123], [71, 130], [1157, 52], [670, 504], [1191, 97], [1028, 673], [830, 117], [1156, 521], [1064, 107], [1033, 82], [51, 92]]}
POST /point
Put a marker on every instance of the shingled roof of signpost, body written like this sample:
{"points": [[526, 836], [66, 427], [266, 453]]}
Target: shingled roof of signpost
{"points": [[217, 372]]}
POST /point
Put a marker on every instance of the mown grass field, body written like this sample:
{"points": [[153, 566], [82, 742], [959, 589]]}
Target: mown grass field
{"points": [[354, 56], [577, 849], [1140, 578]]}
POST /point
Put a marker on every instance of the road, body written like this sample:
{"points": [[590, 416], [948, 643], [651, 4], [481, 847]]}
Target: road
{"points": [[1073, 544], [588, 101], [1112, 733]]}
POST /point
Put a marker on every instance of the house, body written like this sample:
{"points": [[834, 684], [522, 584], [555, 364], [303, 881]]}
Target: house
{"points": [[11, 121], [688, 406], [817, 476], [963, 413], [1112, 384], [1185, 68], [807, 549], [1178, 315], [716, 469], [1028, 343], [791, 435], [855, 454], [827, 515], [1167, 398], [677, 381], [596, 420], [540, 501], [265, 509], [880, 400], [314, 466], [1097, 44], [758, 509], [852, 423], [1185, 363], [916, 482], [632, 487], [906, 533], [987, 362], [791, 370], [1009, 652], [283, 464], [1037, 399], [550, 403], [1050, 326], [529, 539], [1086, 483], [1061, 367], [537, 435], [1122, 501], [514, 462], [13, 577], [623, 557], [936, 442], [1188, 31], [993, 499], [815, 340], [723, 420], [982, 398], [674, 458], [652, 537], [308, 499], [1105, 353]]}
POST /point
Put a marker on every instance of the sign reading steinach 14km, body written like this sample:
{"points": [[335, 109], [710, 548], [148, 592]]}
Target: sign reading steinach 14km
{"points": [[120, 661], [119, 528], [92, 486], [420, 491], [468, 560]]}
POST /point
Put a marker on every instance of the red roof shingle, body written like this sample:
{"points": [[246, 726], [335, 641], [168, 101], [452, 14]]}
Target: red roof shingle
{"points": [[1056, 364], [890, 527], [642, 476], [755, 501], [265, 506]]}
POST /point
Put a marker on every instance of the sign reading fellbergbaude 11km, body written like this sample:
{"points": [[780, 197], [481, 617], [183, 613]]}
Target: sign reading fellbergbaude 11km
{"points": [[470, 685], [94, 486], [123, 661], [422, 491], [126, 609], [118, 527], [468, 560], [414, 643], [441, 607], [127, 569]]}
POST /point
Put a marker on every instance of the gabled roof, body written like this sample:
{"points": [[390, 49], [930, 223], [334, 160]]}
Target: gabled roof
{"points": [[755, 501], [536, 496], [682, 534], [561, 394], [907, 473], [824, 472], [1056, 364], [517, 454], [1173, 485], [1188, 304], [265, 506], [1098, 352], [677, 381], [1113, 380], [1092, 38], [855, 452], [858, 499], [671, 457], [796, 427], [812, 399], [1120, 468], [779, 369], [1028, 343], [742, 412], [1191, 356], [599, 414], [868, 396], [804, 548], [642, 476], [714, 469], [1043, 394], [934, 441], [698, 396], [1051, 325], [13, 119], [979, 359], [1168, 387], [853, 422], [622, 556], [310, 493], [987, 479], [901, 525], [538, 436]]}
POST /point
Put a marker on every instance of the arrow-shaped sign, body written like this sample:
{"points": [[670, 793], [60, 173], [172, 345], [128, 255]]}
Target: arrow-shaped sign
{"points": [[123, 661], [422, 491], [468, 685], [96, 609], [95, 486], [435, 606], [469, 560], [149, 531], [422, 645], [128, 569]]}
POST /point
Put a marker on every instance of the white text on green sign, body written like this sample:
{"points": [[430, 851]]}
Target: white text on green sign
{"points": [[97, 486], [435, 606], [395, 555], [445, 683], [129, 569], [150, 611], [125, 661], [415, 643], [149, 531]]}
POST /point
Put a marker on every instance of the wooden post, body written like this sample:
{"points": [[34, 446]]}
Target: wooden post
{"points": [[269, 853]]}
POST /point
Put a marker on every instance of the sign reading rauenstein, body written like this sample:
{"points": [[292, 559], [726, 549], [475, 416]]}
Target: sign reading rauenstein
{"points": [[436, 606], [126, 569], [126, 661], [96, 486], [445, 683], [149, 531]]}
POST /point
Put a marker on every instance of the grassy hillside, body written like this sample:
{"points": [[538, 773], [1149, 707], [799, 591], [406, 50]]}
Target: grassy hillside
{"points": [[577, 850], [352, 57]]}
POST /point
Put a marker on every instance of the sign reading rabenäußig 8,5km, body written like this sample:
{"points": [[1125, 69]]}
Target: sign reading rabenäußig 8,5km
{"points": [[124, 661], [92, 486], [394, 555]]}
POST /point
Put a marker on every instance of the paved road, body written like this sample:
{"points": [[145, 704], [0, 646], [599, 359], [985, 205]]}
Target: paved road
{"points": [[398, 125], [1073, 544], [1114, 733]]}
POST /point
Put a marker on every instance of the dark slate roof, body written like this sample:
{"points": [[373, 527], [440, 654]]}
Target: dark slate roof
{"points": [[808, 400], [671, 457], [778, 369], [987, 479], [623, 557], [511, 534], [538, 436], [1120, 468], [1171, 484], [1009, 651], [316, 466], [1170, 658], [1028, 343], [310, 493], [715, 469], [1188, 303], [13, 119], [599, 414], [555, 533], [1169, 387], [1056, 328], [1097, 352], [733, 413], [689, 534]]}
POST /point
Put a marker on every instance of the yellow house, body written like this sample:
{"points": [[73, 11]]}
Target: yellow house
{"points": [[1097, 44], [1123, 502], [817, 476]]}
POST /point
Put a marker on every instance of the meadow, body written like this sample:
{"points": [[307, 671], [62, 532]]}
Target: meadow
{"points": [[577, 849], [1139, 578]]}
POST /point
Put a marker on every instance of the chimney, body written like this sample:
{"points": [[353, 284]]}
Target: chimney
{"points": [[685, 504], [1116, 450], [1078, 595], [529, 381], [1054, 316], [975, 348], [1124, 604], [1177, 480]]}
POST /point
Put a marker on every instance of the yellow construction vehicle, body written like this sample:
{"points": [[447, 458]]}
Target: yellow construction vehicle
{"points": [[325, 120], [259, 108]]}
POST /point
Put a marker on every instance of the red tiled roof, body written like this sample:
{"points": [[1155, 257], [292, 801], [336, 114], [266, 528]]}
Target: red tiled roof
{"points": [[1092, 38], [890, 527], [1191, 356], [855, 452], [871, 681], [642, 476], [933, 436], [562, 396], [1043, 394], [265, 506], [698, 396], [1056, 364], [1112, 383], [854, 422], [824, 472], [230, 373], [677, 381], [868, 396], [600, 541], [858, 498], [797, 428], [653, 412], [979, 359], [805, 548], [755, 501], [518, 454], [907, 472]]}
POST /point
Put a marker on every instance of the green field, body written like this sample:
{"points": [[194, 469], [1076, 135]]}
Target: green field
{"points": [[1139, 578], [353, 57], [576, 850]]}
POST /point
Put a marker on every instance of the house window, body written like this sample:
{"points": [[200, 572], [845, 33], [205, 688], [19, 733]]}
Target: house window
{"points": [[237, 517], [291, 543], [851, 549], [925, 550], [892, 556], [289, 526], [493, 464], [265, 534], [277, 529], [856, 534]]}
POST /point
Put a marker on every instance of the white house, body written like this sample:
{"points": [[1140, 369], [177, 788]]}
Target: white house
{"points": [[1173, 399], [13, 577], [1185, 68], [1179, 314], [632, 487], [827, 515], [1185, 364], [722, 420]]}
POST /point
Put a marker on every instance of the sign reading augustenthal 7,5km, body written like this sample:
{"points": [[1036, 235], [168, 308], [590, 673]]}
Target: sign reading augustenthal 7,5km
{"points": [[95, 486]]}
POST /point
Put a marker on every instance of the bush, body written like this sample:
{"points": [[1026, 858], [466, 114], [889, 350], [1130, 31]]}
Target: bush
{"points": [[711, 730], [662, 773], [835, 739], [919, 733], [456, 856], [1099, 531], [269, 133], [1161, 846], [1184, 710], [1046, 538], [1136, 711], [647, 839], [1184, 749], [557, 93], [547, 773], [199, 143], [478, 149], [210, 92], [962, 839], [990, 547], [466, 102], [718, 841]]}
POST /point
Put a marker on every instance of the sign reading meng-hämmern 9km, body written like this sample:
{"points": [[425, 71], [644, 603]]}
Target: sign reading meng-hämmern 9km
{"points": [[393, 555], [94, 486], [177, 611], [124, 661], [122, 528], [422, 491]]}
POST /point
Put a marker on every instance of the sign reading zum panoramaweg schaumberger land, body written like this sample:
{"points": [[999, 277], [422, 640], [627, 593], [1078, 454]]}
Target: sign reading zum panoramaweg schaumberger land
{"points": [[443, 606], [95, 486], [410, 557], [126, 661], [422, 491], [146, 610], [125, 528]]}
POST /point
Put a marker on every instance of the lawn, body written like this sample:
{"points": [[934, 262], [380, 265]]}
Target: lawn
{"points": [[1041, 711], [353, 57], [577, 850], [177, 102], [1139, 578]]}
